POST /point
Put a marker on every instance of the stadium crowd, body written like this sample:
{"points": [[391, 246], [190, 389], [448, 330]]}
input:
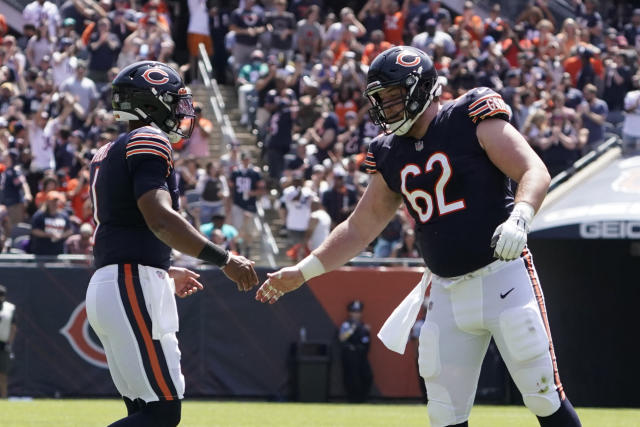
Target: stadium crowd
{"points": [[299, 67]]}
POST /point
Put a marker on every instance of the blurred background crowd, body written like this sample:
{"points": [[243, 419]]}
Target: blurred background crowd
{"points": [[298, 68]]}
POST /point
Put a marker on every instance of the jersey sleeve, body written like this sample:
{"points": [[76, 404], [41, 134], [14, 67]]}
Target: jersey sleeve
{"points": [[484, 103], [149, 159], [373, 160]]}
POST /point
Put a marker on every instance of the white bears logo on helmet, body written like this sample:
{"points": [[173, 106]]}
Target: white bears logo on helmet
{"points": [[147, 75]]}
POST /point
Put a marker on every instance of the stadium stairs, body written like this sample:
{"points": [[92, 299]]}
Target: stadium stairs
{"points": [[247, 142]]}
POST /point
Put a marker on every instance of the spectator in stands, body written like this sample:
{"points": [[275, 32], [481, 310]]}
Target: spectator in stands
{"points": [[372, 18], [40, 45], [469, 22], [213, 189], [583, 67], [198, 144], [80, 243], [48, 183], [40, 12], [593, 112], [295, 210], [631, 124], [64, 61], [218, 222], [309, 34], [281, 26], [569, 37], [559, 143], [319, 225], [347, 20], [431, 36], [495, 26], [407, 248], [246, 185], [279, 130], [323, 134], [248, 76], [394, 20], [104, 48], [50, 227], [78, 193], [617, 82], [198, 32], [82, 88], [376, 46], [123, 19], [632, 29], [15, 191], [340, 199], [324, 72], [589, 18], [247, 23], [219, 16], [390, 237]]}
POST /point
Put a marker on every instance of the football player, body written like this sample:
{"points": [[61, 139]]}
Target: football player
{"points": [[130, 299], [451, 165]]}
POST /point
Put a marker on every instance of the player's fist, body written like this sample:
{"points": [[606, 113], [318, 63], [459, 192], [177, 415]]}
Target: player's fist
{"points": [[279, 283], [241, 271], [510, 237]]}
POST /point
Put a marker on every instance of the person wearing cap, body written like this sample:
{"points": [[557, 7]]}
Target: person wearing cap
{"points": [[433, 36], [80, 243], [50, 226], [8, 329], [354, 337]]}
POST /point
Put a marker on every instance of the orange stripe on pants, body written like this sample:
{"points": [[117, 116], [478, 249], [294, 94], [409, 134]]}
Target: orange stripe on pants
{"points": [[543, 311], [148, 342]]}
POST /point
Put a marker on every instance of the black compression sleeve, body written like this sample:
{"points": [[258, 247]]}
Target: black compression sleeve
{"points": [[214, 254]]}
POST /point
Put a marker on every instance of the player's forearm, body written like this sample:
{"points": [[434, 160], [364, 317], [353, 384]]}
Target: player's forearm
{"points": [[345, 242], [533, 187], [174, 231]]}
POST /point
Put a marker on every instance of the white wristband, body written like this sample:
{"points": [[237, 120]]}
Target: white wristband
{"points": [[524, 210], [310, 267]]}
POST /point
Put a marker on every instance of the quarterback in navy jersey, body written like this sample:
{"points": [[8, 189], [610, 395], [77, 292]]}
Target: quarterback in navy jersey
{"points": [[130, 300], [451, 165]]}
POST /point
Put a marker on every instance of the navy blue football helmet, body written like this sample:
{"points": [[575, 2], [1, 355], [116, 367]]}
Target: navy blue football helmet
{"points": [[412, 72], [154, 93]]}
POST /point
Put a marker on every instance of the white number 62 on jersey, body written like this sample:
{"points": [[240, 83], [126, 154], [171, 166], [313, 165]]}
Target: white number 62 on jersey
{"points": [[425, 213]]}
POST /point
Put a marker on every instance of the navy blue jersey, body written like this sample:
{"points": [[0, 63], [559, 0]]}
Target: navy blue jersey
{"points": [[243, 181], [453, 191], [121, 172]]}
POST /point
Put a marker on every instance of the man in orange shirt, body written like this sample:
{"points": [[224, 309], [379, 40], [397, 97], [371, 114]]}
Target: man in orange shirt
{"points": [[394, 20], [377, 45], [470, 22]]}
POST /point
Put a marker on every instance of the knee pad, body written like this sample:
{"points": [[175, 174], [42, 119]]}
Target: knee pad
{"points": [[429, 350], [524, 333], [440, 407], [542, 405], [165, 413]]}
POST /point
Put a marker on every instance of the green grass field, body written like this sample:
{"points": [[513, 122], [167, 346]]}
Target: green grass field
{"points": [[88, 413]]}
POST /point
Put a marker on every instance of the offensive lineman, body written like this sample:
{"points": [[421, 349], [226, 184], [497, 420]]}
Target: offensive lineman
{"points": [[451, 165], [130, 302]]}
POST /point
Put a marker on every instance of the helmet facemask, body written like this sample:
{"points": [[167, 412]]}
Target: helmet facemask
{"points": [[415, 94]]}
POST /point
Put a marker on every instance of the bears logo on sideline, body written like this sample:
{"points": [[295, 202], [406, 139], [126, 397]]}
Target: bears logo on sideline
{"points": [[76, 331]]}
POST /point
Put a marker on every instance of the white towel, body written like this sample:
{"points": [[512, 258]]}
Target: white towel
{"points": [[161, 301], [394, 334]]}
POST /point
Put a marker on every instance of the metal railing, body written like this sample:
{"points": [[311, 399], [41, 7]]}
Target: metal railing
{"points": [[269, 246]]}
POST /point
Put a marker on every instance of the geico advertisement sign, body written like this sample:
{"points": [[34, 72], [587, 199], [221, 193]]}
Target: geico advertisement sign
{"points": [[610, 230]]}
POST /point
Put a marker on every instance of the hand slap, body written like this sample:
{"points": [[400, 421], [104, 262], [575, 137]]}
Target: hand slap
{"points": [[278, 284]]}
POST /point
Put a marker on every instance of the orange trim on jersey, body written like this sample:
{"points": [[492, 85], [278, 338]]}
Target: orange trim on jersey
{"points": [[369, 163], [371, 171], [146, 142], [146, 336], [494, 112], [478, 101], [543, 311], [151, 134], [147, 151]]}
